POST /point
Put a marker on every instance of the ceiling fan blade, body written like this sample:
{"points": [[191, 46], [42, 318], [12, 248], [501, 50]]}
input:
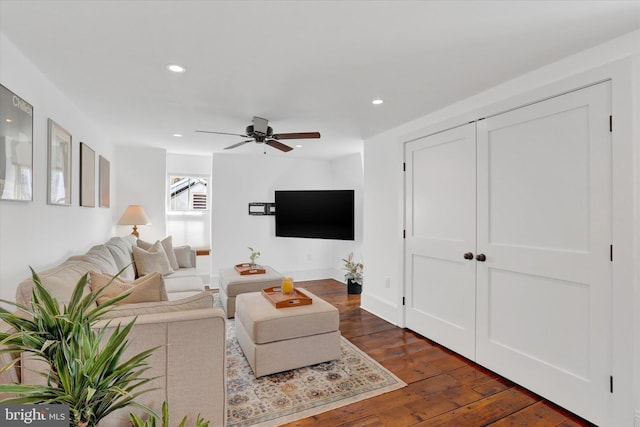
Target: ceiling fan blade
{"points": [[238, 144], [223, 133], [279, 145], [298, 135]]}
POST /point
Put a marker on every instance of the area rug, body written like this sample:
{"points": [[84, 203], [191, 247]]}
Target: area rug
{"points": [[276, 399]]}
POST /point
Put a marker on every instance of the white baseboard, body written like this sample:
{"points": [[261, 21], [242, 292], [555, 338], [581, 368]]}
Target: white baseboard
{"points": [[379, 307]]}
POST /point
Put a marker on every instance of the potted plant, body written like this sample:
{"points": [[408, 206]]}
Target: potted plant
{"points": [[353, 275], [254, 255], [86, 369], [136, 421]]}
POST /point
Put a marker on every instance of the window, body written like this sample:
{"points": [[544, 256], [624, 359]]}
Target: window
{"points": [[187, 193]]}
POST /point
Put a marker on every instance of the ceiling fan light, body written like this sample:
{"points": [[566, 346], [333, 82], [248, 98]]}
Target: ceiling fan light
{"points": [[176, 68]]}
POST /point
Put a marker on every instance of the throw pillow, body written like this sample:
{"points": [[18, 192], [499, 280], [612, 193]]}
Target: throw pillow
{"points": [[167, 245], [149, 288], [155, 259], [184, 256]]}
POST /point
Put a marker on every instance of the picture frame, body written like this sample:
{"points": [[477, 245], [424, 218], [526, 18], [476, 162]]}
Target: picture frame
{"points": [[16, 147], [87, 176], [104, 172], [59, 150]]}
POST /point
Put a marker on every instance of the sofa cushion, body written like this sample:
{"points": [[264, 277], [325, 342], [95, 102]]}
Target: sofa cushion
{"points": [[167, 245], [152, 260], [59, 281], [185, 256], [121, 249], [149, 288], [195, 302], [101, 258], [182, 282]]}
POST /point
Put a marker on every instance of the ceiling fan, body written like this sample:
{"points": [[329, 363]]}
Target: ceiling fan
{"points": [[261, 132]]}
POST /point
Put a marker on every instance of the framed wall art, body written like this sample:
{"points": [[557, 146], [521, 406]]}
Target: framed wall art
{"points": [[87, 176], [16, 147], [59, 165], [104, 172]]}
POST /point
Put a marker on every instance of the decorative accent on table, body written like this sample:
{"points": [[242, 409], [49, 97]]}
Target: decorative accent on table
{"points": [[353, 275], [282, 300], [246, 268], [251, 267], [59, 165], [287, 285], [16, 147], [254, 255], [104, 172], [87, 176]]}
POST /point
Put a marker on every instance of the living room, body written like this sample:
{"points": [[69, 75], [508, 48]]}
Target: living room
{"points": [[40, 235]]}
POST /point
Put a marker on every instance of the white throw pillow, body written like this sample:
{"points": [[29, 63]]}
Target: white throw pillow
{"points": [[184, 256], [153, 260], [167, 245]]}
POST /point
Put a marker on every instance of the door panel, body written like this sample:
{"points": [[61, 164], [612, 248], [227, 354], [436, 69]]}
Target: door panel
{"points": [[539, 174], [440, 228], [544, 223]]}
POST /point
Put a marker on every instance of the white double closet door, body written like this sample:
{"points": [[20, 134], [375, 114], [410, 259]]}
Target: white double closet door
{"points": [[507, 249]]}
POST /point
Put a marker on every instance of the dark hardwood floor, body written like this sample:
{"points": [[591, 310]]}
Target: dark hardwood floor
{"points": [[444, 389]]}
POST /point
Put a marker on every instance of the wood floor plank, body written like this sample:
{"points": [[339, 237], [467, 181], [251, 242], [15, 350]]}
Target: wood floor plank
{"points": [[443, 388], [484, 411], [540, 414]]}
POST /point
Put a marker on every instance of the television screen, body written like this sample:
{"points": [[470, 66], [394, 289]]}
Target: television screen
{"points": [[319, 214]]}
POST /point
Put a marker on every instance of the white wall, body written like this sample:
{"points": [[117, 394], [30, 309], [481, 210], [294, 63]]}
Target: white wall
{"points": [[636, 232], [141, 179], [347, 174], [34, 233], [383, 246], [238, 180]]}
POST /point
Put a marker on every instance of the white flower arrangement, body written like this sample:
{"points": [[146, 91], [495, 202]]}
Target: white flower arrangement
{"points": [[354, 269]]}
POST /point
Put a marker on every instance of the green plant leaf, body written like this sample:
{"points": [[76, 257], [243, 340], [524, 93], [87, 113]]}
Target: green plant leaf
{"points": [[86, 366]]}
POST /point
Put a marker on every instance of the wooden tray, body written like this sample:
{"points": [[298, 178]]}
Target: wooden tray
{"points": [[246, 268], [279, 300]]}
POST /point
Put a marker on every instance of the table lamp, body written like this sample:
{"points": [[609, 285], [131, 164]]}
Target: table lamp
{"points": [[134, 215]]}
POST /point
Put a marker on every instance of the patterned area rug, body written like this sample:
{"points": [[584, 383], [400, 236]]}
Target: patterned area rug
{"points": [[276, 399]]}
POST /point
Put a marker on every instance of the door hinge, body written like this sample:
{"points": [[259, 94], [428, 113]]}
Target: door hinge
{"points": [[611, 384], [404, 167], [402, 300], [404, 234], [611, 253], [610, 123]]}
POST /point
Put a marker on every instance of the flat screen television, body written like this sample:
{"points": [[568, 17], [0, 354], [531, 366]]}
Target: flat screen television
{"points": [[315, 214]]}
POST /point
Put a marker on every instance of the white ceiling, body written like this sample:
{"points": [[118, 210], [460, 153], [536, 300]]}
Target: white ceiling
{"points": [[304, 65]]}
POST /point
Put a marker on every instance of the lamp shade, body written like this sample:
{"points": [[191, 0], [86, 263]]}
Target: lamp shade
{"points": [[134, 215]]}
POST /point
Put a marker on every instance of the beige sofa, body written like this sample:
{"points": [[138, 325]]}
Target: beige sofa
{"points": [[190, 333]]}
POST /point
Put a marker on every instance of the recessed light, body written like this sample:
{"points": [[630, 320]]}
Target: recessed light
{"points": [[176, 68], [377, 101], [177, 135], [298, 145], [8, 120]]}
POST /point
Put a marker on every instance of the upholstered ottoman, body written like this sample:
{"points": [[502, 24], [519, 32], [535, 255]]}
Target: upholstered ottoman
{"points": [[279, 339], [233, 284]]}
